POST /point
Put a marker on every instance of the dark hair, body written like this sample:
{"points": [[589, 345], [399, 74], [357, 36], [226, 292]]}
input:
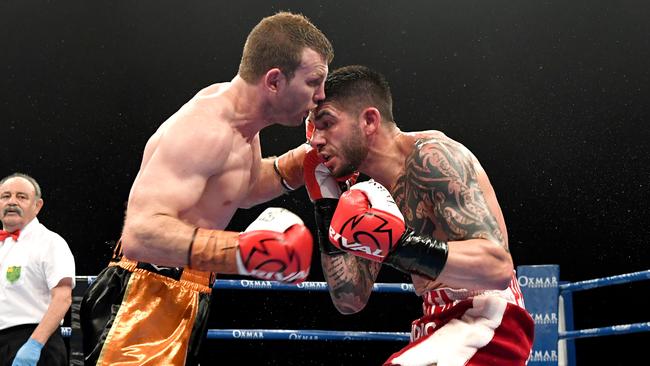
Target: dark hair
{"points": [[356, 87], [278, 41], [37, 188]]}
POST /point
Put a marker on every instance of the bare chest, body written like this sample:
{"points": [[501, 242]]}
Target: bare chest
{"points": [[225, 192]]}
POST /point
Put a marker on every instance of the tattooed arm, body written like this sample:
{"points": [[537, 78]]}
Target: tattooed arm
{"points": [[445, 193], [350, 280]]}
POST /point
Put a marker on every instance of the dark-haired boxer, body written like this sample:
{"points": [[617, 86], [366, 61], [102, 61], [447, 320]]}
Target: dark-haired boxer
{"points": [[428, 211], [150, 306]]}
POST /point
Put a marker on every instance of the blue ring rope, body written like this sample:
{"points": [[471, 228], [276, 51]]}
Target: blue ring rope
{"points": [[305, 335], [606, 281], [330, 335], [305, 286], [405, 287], [294, 335], [613, 330]]}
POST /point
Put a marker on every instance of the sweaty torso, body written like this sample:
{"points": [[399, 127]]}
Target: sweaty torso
{"points": [[443, 192], [234, 171]]}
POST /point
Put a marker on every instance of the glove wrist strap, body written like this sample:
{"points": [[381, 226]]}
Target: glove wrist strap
{"points": [[289, 168], [213, 250], [421, 255], [283, 182]]}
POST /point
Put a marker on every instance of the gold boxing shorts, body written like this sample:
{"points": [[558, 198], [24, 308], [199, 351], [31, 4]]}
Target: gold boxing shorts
{"points": [[136, 313]]}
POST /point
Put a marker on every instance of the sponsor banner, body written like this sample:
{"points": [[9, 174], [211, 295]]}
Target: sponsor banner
{"points": [[540, 287]]}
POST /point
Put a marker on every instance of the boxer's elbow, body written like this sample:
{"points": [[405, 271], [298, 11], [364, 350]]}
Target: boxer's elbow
{"points": [[501, 272], [502, 282], [133, 239], [347, 308], [349, 303], [490, 267], [130, 247]]}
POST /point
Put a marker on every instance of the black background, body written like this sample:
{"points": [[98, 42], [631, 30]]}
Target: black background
{"points": [[552, 96]]}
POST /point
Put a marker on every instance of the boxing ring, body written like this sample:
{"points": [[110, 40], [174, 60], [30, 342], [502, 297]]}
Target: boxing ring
{"points": [[548, 300]]}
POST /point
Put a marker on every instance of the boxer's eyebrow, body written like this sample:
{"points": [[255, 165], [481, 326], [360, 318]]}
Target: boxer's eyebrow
{"points": [[322, 113]]}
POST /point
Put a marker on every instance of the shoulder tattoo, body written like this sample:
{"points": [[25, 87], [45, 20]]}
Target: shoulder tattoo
{"points": [[440, 191]]}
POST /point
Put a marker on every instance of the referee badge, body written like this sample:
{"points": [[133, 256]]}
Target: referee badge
{"points": [[13, 274]]}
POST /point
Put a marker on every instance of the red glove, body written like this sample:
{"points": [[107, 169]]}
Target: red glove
{"points": [[324, 191], [367, 222], [318, 180], [276, 246], [309, 128]]}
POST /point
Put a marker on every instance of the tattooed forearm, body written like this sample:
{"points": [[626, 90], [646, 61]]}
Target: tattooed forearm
{"points": [[350, 280]]}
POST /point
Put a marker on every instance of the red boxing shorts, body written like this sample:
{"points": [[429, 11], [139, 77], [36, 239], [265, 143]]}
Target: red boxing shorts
{"points": [[462, 328], [139, 314]]}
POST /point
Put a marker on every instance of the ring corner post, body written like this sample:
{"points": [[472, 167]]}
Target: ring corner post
{"points": [[540, 287], [567, 351]]}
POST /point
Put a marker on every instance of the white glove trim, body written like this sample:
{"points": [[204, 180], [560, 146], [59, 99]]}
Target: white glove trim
{"points": [[274, 219], [379, 197]]}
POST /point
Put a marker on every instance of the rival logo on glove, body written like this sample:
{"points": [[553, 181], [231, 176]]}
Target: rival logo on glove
{"points": [[267, 266], [277, 256], [343, 244], [368, 242], [278, 276], [366, 222]]}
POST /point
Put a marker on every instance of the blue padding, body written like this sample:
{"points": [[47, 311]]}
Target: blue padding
{"points": [[540, 287]]}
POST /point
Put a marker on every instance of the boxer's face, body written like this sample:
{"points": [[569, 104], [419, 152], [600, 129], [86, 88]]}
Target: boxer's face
{"points": [[338, 138], [304, 90], [18, 203]]}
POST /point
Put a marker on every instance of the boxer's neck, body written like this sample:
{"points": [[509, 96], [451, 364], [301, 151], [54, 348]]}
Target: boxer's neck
{"points": [[386, 156]]}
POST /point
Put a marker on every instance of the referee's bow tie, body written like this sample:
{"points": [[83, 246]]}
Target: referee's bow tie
{"points": [[5, 234]]}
